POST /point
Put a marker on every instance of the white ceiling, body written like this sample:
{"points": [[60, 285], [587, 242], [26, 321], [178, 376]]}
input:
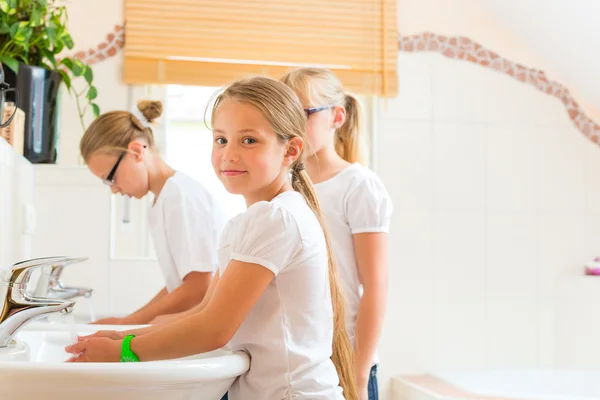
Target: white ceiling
{"points": [[566, 33]]}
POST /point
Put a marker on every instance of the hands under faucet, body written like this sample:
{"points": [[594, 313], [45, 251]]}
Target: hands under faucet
{"points": [[95, 349]]}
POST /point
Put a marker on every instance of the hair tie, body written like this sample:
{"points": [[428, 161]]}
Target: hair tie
{"points": [[140, 117]]}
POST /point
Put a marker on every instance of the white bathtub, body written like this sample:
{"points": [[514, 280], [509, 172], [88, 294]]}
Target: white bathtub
{"points": [[531, 384]]}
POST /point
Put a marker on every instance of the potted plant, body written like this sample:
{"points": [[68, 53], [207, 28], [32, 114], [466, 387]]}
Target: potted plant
{"points": [[33, 34]]}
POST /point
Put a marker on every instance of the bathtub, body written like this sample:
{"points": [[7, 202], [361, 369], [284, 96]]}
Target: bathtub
{"points": [[530, 384]]}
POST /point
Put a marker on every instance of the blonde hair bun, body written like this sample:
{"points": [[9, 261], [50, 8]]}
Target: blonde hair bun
{"points": [[150, 109]]}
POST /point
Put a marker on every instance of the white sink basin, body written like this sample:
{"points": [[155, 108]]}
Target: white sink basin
{"points": [[47, 376]]}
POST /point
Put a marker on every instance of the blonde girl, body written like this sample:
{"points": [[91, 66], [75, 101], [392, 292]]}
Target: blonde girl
{"points": [[185, 219], [356, 206], [275, 295]]}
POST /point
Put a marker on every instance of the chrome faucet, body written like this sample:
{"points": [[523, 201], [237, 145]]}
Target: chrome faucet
{"points": [[18, 307], [50, 285]]}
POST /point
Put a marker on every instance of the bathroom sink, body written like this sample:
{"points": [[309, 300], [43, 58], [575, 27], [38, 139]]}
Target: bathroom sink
{"points": [[46, 375]]}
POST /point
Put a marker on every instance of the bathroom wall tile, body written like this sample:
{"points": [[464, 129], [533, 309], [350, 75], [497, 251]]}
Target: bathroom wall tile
{"points": [[82, 234], [405, 163], [413, 249], [127, 297], [562, 163], [561, 245], [509, 100], [407, 339], [458, 342], [459, 91], [459, 176], [459, 246], [592, 177], [511, 256], [577, 327], [511, 331], [414, 100], [512, 153], [511, 290]]}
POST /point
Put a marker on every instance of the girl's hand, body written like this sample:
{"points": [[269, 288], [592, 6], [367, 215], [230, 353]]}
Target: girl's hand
{"points": [[115, 335], [95, 350]]}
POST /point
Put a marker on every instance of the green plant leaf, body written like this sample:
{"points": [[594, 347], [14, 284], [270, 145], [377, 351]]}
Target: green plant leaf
{"points": [[4, 28], [23, 34], [58, 48], [92, 93], [67, 62], [49, 55], [68, 40], [88, 75], [36, 17], [13, 29], [51, 32], [42, 3], [27, 32], [10, 63], [66, 79], [77, 68], [4, 6], [95, 110]]}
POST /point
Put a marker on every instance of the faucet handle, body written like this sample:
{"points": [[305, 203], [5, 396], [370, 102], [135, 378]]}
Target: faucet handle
{"points": [[20, 273], [58, 267]]}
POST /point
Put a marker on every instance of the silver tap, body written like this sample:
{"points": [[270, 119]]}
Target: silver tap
{"points": [[18, 307], [50, 285]]}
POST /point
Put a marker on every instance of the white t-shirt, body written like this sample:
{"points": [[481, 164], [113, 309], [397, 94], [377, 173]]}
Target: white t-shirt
{"points": [[185, 223], [289, 332], [353, 201]]}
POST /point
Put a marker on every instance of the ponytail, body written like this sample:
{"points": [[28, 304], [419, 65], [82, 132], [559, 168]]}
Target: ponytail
{"points": [[347, 137], [343, 354], [320, 86]]}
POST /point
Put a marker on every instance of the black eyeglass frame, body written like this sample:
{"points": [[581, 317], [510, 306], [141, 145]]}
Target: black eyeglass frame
{"points": [[110, 179], [312, 110]]}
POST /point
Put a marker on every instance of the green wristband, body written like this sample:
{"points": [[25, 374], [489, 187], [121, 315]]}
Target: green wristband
{"points": [[126, 354]]}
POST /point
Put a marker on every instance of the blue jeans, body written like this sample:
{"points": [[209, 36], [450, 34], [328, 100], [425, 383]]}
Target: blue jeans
{"points": [[372, 385]]}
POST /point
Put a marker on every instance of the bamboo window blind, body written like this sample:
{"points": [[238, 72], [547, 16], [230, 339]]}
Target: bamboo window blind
{"points": [[213, 42]]}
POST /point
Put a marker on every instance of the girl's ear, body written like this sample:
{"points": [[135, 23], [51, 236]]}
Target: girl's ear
{"points": [[293, 150], [137, 149], [339, 117]]}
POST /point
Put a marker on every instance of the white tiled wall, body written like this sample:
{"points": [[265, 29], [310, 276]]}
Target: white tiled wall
{"points": [[6, 204], [497, 208], [17, 218]]}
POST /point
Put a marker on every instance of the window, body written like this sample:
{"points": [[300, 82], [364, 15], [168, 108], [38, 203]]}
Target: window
{"points": [[188, 141]]}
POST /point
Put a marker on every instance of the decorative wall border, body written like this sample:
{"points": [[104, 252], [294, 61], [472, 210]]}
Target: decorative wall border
{"points": [[463, 48], [455, 47], [114, 42]]}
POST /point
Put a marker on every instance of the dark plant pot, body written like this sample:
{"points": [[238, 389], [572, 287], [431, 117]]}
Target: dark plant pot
{"points": [[39, 99]]}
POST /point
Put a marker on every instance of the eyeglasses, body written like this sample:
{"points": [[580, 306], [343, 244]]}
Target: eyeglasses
{"points": [[4, 89], [110, 179], [313, 110]]}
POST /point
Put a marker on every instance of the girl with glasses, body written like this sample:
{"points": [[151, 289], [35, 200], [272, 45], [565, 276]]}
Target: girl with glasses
{"points": [[185, 219], [357, 210]]}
